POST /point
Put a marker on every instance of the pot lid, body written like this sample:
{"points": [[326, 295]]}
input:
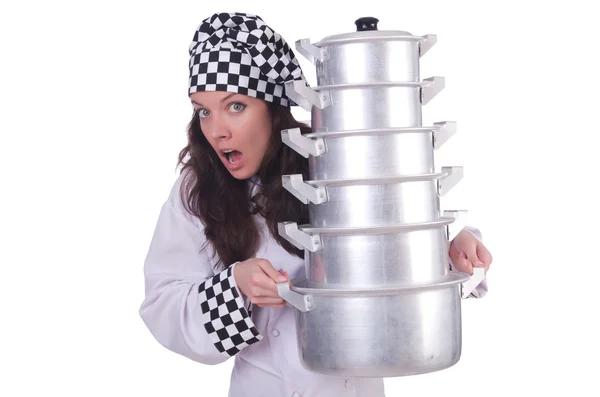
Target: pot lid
{"points": [[366, 30]]}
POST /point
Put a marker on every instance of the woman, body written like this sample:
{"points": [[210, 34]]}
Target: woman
{"points": [[216, 255]]}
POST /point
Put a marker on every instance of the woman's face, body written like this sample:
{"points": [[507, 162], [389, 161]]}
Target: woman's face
{"points": [[237, 126]]}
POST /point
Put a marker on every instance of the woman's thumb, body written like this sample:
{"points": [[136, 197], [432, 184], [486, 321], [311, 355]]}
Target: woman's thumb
{"points": [[270, 271]]}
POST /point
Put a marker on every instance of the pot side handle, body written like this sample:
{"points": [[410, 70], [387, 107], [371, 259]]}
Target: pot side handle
{"points": [[432, 86], [293, 138], [444, 130], [469, 286], [452, 230], [300, 92], [304, 303], [310, 51], [454, 174], [429, 41]]}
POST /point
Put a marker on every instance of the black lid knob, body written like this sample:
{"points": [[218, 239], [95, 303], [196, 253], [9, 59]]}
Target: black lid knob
{"points": [[366, 23]]}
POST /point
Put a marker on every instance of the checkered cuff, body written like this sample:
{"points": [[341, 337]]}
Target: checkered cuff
{"points": [[224, 314]]}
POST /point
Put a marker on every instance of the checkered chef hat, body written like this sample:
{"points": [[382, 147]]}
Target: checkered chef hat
{"points": [[238, 52]]}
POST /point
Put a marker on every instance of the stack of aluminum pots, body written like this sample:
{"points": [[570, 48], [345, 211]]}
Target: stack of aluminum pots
{"points": [[378, 299]]}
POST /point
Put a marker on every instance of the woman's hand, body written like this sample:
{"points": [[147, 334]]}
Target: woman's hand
{"points": [[257, 279], [466, 252]]}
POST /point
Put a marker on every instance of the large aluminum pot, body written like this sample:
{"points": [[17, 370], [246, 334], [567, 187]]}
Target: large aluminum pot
{"points": [[367, 55], [370, 106], [377, 256], [366, 108], [378, 299], [375, 201], [395, 331], [376, 259], [370, 153], [366, 79]]}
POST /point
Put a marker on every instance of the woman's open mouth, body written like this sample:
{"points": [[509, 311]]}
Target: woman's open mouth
{"points": [[233, 159]]}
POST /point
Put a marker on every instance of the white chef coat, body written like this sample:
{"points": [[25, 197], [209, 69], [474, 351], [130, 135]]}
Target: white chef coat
{"points": [[267, 364]]}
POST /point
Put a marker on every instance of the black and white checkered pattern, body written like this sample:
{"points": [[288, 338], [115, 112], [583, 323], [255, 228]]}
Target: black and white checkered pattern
{"points": [[238, 52], [224, 316]]}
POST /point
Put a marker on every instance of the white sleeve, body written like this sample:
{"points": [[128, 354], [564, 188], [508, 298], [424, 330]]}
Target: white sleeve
{"points": [[482, 288], [188, 308]]}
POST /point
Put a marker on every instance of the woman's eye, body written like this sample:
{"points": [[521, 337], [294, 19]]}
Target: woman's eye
{"points": [[237, 107], [202, 113]]}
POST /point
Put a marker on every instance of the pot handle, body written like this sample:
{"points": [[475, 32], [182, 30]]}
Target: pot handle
{"points": [[429, 41], [459, 222], [443, 132], [311, 51], [304, 303], [300, 239], [432, 86], [452, 230], [300, 92], [453, 175], [469, 286], [293, 138], [304, 191]]}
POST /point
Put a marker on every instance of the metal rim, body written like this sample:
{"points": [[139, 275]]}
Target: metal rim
{"points": [[407, 84], [452, 279], [369, 132], [367, 37], [405, 227], [378, 181]]}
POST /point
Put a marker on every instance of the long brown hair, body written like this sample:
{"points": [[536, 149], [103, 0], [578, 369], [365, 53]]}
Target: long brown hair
{"points": [[222, 203]]}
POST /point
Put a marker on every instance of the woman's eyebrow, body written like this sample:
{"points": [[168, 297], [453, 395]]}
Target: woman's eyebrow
{"points": [[222, 100]]}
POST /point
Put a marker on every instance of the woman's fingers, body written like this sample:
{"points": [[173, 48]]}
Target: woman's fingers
{"points": [[465, 264], [484, 255], [262, 292], [262, 284], [270, 302], [271, 272]]}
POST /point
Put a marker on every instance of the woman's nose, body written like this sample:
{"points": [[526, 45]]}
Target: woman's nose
{"points": [[218, 130]]}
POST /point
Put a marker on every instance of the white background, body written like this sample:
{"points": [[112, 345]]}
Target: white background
{"points": [[93, 113]]}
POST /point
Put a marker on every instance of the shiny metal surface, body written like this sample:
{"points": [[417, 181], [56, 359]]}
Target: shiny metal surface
{"points": [[378, 260], [381, 334], [317, 191], [373, 61], [373, 156], [450, 218], [311, 238], [370, 153], [382, 204], [370, 107], [378, 299]]}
